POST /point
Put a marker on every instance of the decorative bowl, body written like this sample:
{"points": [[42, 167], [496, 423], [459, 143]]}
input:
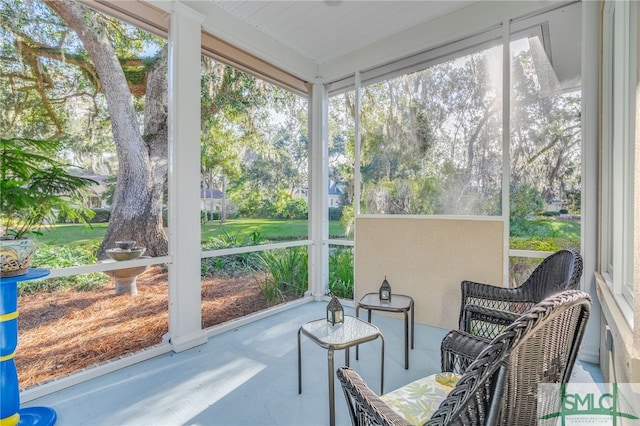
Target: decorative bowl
{"points": [[15, 256], [125, 254], [125, 244]]}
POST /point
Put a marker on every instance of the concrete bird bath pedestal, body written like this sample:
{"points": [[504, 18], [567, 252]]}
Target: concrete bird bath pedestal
{"points": [[125, 279]]}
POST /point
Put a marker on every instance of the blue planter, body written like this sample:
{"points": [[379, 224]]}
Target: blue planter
{"points": [[10, 413]]}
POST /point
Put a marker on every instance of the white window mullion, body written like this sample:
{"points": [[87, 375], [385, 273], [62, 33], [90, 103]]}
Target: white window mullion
{"points": [[618, 150]]}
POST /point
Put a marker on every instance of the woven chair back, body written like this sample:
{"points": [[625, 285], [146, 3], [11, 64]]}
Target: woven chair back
{"points": [[558, 272], [501, 385]]}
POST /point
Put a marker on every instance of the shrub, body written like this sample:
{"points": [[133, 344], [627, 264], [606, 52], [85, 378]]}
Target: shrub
{"points": [[341, 272], [348, 220], [295, 208], [335, 213], [101, 216], [232, 264], [524, 201], [209, 216], [288, 272], [64, 257]]}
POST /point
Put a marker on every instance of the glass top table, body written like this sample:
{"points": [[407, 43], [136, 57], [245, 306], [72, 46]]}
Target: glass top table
{"points": [[353, 331], [398, 303]]}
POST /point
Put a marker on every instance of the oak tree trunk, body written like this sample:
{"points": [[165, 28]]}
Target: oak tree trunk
{"points": [[137, 206]]}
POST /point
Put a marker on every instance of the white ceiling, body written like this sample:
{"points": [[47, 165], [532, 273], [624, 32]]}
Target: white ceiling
{"points": [[330, 39], [325, 30], [302, 35]]}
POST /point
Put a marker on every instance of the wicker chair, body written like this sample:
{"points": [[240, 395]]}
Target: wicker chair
{"points": [[500, 386], [486, 309]]}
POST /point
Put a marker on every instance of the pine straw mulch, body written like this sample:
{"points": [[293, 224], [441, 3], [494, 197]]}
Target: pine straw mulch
{"points": [[61, 333]]}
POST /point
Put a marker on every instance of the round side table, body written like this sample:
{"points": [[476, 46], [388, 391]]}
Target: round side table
{"points": [[10, 412]]}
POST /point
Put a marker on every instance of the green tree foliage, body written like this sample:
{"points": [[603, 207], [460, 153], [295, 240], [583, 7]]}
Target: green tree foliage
{"points": [[546, 135], [431, 141], [275, 169], [50, 88], [524, 201], [34, 187]]}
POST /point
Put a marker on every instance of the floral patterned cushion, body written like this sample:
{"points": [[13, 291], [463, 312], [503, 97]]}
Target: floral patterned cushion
{"points": [[417, 401]]}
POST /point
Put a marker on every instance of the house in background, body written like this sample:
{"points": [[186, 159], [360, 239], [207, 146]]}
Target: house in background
{"points": [[98, 199], [334, 193], [554, 205], [210, 199]]}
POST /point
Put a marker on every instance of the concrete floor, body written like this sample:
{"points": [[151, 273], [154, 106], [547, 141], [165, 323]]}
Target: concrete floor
{"points": [[248, 376]]}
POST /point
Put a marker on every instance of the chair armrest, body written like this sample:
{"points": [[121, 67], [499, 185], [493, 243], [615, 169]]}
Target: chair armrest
{"points": [[365, 407], [483, 304], [471, 289], [459, 349]]}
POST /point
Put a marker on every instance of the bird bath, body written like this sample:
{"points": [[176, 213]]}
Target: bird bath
{"points": [[125, 279]]}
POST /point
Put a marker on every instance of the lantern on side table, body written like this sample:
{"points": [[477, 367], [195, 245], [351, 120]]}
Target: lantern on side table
{"points": [[335, 312], [385, 291]]}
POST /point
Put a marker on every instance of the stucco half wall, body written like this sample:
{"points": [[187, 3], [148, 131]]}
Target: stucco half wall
{"points": [[427, 258]]}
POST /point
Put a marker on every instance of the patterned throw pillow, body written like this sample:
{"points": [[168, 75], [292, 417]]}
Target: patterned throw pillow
{"points": [[417, 401]]}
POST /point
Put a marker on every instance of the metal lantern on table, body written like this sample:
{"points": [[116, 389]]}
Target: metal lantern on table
{"points": [[385, 291], [335, 311]]}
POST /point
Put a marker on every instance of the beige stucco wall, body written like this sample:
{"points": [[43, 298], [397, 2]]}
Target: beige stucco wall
{"points": [[427, 258]]}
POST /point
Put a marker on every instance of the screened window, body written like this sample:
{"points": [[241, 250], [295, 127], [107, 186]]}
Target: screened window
{"points": [[431, 139], [341, 155]]}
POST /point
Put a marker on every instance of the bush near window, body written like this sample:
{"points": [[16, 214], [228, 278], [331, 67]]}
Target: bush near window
{"points": [[335, 213], [288, 272], [341, 272]]}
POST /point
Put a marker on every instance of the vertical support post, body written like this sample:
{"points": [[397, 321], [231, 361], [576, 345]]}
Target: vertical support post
{"points": [[590, 350], [358, 142], [185, 322], [318, 191], [506, 142]]}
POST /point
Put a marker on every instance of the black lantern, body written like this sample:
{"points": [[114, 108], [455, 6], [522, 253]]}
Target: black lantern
{"points": [[385, 291], [335, 312]]}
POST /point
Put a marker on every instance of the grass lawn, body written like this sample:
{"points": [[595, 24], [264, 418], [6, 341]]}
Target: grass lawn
{"points": [[569, 230], [72, 235], [538, 234], [269, 229], [545, 235]]}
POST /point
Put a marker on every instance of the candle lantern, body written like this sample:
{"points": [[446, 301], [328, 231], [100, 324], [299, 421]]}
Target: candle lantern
{"points": [[385, 291], [335, 312]]}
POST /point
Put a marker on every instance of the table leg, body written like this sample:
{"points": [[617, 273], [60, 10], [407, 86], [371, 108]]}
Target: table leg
{"points": [[346, 356], [357, 346], [406, 340], [382, 366], [332, 408], [413, 324], [299, 364]]}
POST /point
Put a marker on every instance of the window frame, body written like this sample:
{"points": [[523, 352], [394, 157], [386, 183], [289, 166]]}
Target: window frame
{"points": [[618, 150]]}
